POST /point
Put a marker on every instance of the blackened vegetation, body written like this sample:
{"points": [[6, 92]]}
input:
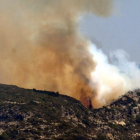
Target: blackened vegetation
{"points": [[55, 94], [90, 104]]}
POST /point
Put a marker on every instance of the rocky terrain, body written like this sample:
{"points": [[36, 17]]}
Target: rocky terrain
{"points": [[28, 114]]}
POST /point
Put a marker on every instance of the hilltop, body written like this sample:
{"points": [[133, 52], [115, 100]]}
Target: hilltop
{"points": [[34, 114]]}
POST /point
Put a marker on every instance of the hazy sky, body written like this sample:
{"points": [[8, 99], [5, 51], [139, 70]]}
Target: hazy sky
{"points": [[119, 31]]}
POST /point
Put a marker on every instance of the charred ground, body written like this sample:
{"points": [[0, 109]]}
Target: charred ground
{"points": [[35, 114]]}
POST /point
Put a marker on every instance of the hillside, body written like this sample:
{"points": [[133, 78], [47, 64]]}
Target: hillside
{"points": [[28, 114]]}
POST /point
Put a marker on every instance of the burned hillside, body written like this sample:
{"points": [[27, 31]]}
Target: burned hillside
{"points": [[35, 114]]}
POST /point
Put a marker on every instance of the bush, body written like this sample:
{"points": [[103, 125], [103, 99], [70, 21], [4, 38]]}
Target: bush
{"points": [[101, 137], [86, 122], [4, 136], [117, 127], [138, 118], [138, 93]]}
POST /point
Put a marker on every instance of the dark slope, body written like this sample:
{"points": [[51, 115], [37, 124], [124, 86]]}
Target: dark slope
{"points": [[26, 113], [32, 114]]}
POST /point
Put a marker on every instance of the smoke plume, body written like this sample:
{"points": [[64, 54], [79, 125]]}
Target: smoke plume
{"points": [[114, 79], [41, 47]]}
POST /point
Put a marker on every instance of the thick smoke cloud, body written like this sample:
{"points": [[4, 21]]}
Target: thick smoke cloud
{"points": [[41, 47], [115, 78]]}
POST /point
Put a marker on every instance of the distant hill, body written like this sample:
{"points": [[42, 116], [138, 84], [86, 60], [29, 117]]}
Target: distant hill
{"points": [[29, 114]]}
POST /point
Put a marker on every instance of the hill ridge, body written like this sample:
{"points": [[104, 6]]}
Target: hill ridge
{"points": [[36, 114]]}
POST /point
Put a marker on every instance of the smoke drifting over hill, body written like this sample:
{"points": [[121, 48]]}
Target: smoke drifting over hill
{"points": [[41, 47], [113, 79]]}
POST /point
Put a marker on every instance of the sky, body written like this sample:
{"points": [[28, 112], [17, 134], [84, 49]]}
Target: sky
{"points": [[121, 30]]}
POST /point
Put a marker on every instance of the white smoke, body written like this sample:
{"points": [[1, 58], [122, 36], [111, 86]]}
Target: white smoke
{"points": [[115, 78], [129, 69]]}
